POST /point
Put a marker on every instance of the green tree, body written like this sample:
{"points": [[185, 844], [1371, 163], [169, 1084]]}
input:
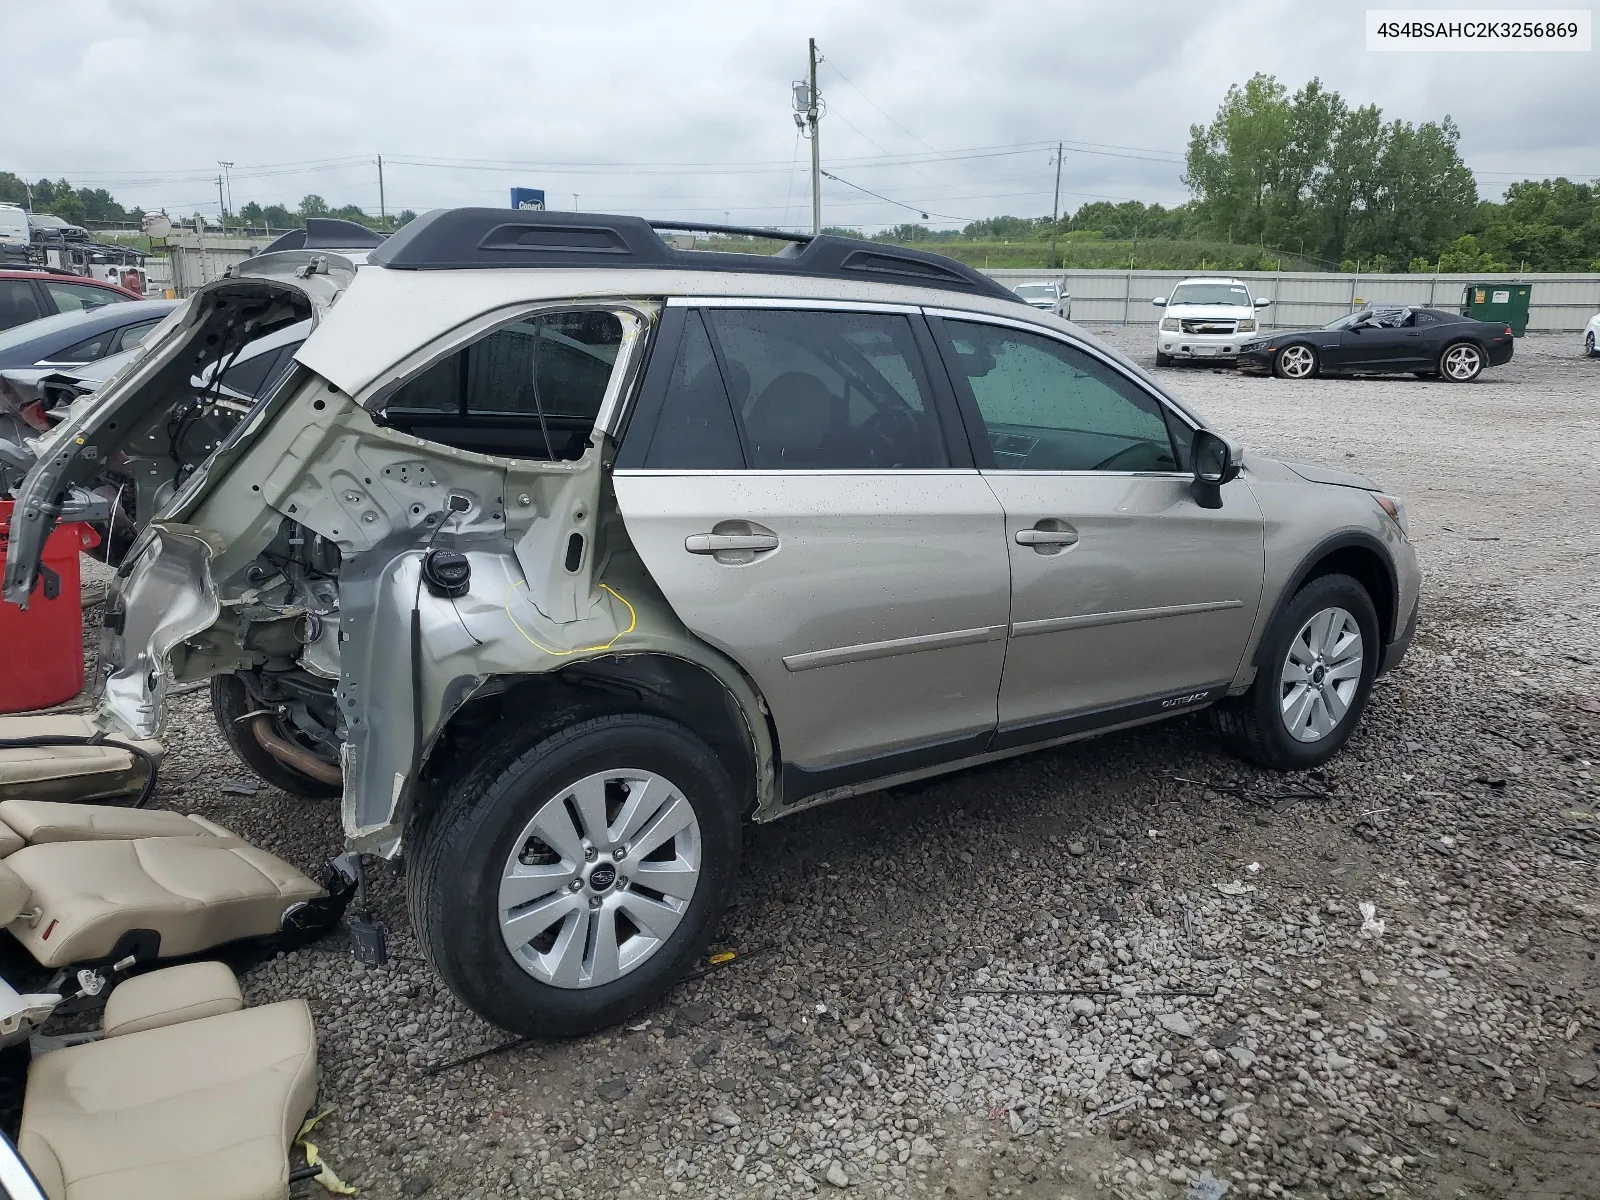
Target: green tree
{"points": [[66, 203], [312, 205]]}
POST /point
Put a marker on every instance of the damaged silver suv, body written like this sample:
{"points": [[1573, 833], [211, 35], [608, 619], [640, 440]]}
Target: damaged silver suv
{"points": [[559, 553]]}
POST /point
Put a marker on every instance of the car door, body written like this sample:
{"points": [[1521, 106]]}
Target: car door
{"points": [[1376, 347], [802, 494], [1127, 597]]}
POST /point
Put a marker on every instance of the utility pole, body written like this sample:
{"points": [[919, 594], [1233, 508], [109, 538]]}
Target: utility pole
{"points": [[222, 209], [227, 168], [812, 116], [1055, 209], [383, 213]]}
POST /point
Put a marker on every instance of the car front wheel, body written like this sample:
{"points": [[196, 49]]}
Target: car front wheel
{"points": [[1316, 668], [1163, 360], [1461, 363], [1295, 362], [564, 884], [1590, 350]]}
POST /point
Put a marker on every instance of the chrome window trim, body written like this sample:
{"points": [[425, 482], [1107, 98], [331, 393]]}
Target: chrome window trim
{"points": [[956, 314], [910, 310], [866, 651], [1121, 617]]}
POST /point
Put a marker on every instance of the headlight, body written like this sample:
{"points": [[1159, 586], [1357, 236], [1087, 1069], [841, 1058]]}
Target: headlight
{"points": [[1246, 327], [1395, 508], [1170, 324]]}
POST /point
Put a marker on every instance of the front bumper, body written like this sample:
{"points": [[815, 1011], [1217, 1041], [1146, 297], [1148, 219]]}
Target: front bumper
{"points": [[1395, 651], [1256, 360], [1201, 345]]}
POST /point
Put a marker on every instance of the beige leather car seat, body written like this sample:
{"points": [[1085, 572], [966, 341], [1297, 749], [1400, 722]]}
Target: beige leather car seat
{"points": [[189, 1095], [67, 772], [74, 901], [34, 822]]}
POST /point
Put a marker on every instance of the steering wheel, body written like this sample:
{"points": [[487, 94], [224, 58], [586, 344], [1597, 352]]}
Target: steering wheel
{"points": [[891, 430], [1125, 460]]}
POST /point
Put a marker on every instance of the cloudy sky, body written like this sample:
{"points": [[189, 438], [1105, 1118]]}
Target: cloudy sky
{"points": [[683, 110]]}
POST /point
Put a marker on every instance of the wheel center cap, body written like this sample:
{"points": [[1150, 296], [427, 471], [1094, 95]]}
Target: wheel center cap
{"points": [[1318, 673], [602, 877]]}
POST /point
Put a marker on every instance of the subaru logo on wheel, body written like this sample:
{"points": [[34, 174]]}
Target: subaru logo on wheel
{"points": [[602, 877]]}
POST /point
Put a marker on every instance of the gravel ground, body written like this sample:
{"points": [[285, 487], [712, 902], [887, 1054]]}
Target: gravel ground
{"points": [[1234, 1023]]}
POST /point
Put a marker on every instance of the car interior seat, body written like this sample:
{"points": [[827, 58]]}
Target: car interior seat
{"points": [[86, 884], [186, 1093], [68, 772], [792, 423]]}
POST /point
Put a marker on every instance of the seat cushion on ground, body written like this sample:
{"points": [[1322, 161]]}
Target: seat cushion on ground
{"points": [[195, 892], [15, 895], [67, 772], [207, 1108], [169, 996], [40, 821]]}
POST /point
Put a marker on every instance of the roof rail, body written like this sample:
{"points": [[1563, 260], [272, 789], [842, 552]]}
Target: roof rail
{"points": [[328, 233], [474, 238]]}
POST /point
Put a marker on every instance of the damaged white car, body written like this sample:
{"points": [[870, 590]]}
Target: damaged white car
{"points": [[559, 553]]}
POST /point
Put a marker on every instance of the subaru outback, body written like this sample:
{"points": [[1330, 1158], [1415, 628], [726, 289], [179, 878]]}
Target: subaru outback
{"points": [[560, 553]]}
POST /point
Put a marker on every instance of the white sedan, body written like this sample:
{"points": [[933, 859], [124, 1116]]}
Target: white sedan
{"points": [[1591, 337]]}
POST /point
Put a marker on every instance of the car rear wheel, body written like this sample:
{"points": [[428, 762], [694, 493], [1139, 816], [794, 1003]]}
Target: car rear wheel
{"points": [[232, 706], [1461, 362], [1315, 672], [1590, 350], [1298, 361], [565, 882]]}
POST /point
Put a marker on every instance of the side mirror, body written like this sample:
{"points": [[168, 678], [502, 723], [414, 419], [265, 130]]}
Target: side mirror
{"points": [[1262, 302], [1159, 301], [1216, 462]]}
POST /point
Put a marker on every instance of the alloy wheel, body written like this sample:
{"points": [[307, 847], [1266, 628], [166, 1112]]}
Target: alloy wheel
{"points": [[1320, 675], [1589, 346], [1462, 362], [599, 878], [1297, 362]]}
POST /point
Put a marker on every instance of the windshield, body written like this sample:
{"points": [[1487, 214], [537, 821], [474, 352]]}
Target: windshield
{"points": [[18, 335], [1389, 318], [1036, 291], [1210, 293]]}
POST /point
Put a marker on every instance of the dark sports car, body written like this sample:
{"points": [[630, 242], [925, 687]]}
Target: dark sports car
{"points": [[1427, 342]]}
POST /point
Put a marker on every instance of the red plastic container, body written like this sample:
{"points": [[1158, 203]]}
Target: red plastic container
{"points": [[41, 647]]}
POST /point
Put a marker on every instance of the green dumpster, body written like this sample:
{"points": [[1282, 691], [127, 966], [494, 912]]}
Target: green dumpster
{"points": [[1506, 302]]}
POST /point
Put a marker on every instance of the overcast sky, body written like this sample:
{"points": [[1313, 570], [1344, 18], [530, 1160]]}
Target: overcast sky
{"points": [[683, 109]]}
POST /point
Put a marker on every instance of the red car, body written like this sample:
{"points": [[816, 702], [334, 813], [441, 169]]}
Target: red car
{"points": [[29, 295]]}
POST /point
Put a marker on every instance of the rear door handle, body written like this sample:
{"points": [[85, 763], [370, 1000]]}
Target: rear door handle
{"points": [[716, 543], [1047, 539]]}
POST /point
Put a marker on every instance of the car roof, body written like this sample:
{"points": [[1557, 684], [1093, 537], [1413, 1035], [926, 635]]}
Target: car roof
{"points": [[1212, 279], [62, 277]]}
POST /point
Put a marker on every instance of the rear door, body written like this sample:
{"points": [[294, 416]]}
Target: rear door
{"points": [[1128, 599], [796, 481]]}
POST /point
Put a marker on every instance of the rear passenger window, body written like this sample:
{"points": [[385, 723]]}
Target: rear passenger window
{"points": [[827, 390], [695, 430], [18, 304], [531, 389]]}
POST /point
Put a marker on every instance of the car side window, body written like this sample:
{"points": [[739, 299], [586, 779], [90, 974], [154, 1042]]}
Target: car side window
{"points": [[246, 378], [132, 335], [530, 389], [695, 430], [818, 390], [1419, 319], [70, 297], [88, 350], [1047, 406], [18, 303]]}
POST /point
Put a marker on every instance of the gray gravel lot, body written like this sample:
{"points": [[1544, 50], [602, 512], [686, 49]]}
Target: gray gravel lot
{"points": [[863, 1042]]}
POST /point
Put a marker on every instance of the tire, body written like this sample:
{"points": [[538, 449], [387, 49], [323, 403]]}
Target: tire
{"points": [[1296, 361], [229, 702], [1590, 350], [1163, 360], [1460, 362], [485, 824], [1254, 726]]}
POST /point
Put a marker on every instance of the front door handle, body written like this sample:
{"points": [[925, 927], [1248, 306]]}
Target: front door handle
{"points": [[716, 543], [1049, 536]]}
